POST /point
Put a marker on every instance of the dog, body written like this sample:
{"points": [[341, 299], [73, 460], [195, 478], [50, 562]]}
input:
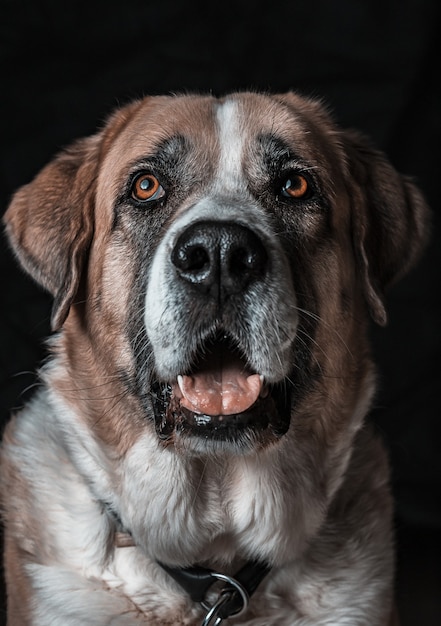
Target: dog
{"points": [[198, 451]]}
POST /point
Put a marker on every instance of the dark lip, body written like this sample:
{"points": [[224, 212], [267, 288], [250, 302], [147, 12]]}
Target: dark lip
{"points": [[267, 419], [268, 416]]}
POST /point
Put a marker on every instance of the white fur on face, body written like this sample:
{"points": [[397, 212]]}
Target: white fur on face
{"points": [[231, 144], [267, 319]]}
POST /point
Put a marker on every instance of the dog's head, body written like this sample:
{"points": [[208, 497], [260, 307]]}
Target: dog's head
{"points": [[217, 258]]}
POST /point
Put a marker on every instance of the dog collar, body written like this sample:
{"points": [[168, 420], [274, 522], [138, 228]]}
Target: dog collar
{"points": [[234, 595], [232, 598]]}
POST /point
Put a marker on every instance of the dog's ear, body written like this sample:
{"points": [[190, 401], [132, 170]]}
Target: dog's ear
{"points": [[389, 220], [50, 223]]}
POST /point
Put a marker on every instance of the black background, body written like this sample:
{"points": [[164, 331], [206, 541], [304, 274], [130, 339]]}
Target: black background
{"points": [[66, 65]]}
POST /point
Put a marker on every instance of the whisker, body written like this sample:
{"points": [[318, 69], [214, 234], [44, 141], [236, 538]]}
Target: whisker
{"points": [[23, 373], [318, 318], [33, 385], [305, 344], [201, 478]]}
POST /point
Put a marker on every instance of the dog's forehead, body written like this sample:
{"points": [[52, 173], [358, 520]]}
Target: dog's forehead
{"points": [[215, 128], [160, 118]]}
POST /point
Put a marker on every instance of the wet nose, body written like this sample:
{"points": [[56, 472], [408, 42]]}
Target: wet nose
{"points": [[219, 259]]}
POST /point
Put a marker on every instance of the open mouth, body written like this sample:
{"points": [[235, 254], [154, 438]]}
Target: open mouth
{"points": [[220, 397]]}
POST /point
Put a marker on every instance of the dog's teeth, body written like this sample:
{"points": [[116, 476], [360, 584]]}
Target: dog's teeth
{"points": [[181, 383], [264, 390]]}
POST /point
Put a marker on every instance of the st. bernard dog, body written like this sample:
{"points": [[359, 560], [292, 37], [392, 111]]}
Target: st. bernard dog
{"points": [[197, 451]]}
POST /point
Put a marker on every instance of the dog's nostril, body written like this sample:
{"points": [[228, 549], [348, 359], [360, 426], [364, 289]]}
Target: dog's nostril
{"points": [[219, 258], [192, 261], [191, 258], [248, 260]]}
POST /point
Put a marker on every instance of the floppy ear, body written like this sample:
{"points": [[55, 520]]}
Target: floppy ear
{"points": [[50, 223], [389, 221]]}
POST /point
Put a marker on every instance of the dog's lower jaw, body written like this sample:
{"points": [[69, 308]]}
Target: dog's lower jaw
{"points": [[262, 424]]}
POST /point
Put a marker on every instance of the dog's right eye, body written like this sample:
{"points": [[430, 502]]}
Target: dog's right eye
{"points": [[296, 186], [146, 187]]}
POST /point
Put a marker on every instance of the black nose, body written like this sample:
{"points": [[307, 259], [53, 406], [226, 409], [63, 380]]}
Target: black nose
{"points": [[219, 258]]}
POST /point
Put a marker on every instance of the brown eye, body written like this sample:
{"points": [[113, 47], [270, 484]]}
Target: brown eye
{"points": [[147, 187], [296, 186]]}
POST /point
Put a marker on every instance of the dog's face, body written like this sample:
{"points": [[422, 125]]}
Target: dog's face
{"points": [[215, 260]]}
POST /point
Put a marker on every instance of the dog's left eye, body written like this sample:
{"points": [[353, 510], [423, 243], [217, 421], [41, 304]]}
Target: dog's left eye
{"points": [[296, 186], [146, 187]]}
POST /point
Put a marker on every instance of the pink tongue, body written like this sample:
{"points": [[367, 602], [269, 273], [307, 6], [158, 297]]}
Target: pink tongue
{"points": [[220, 392]]}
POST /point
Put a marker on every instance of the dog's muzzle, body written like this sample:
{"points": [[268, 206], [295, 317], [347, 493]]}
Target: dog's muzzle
{"points": [[216, 335], [219, 261]]}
